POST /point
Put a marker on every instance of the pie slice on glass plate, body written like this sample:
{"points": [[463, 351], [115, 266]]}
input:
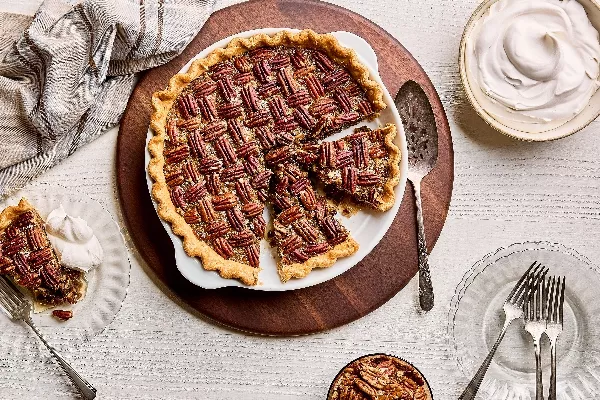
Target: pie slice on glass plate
{"points": [[229, 131], [28, 259]]}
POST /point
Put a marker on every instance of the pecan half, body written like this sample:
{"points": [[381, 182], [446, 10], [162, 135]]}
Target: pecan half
{"points": [[259, 225], [226, 151], [206, 210], [262, 71], [51, 276], [235, 218], [174, 178], [353, 89], [328, 154], [224, 202], [298, 255], [278, 107], [290, 215], [237, 131], [279, 155], [36, 238], [189, 124], [308, 199], [39, 257], [344, 158], [253, 255], [261, 53], [243, 78], [242, 239], [284, 137], [343, 99], [213, 184], [365, 108], [198, 145], [313, 84], [192, 216], [262, 179], [250, 98], [323, 62], [25, 219], [262, 195], [176, 154], [298, 59], [242, 64], [230, 110], [361, 153], [207, 108], [172, 132], [217, 229], [176, 197], [204, 88], [281, 201], [267, 90], [195, 193], [251, 165], [300, 98], [335, 79], [232, 173], [315, 249], [187, 106], [258, 118], [226, 88], [377, 151], [209, 164], [349, 179], [244, 191], [287, 81], [346, 118], [304, 118], [221, 69], [265, 137], [299, 185], [252, 209], [280, 61], [214, 130], [366, 178], [302, 72], [63, 315], [290, 243], [190, 172], [306, 230], [222, 247], [323, 106]]}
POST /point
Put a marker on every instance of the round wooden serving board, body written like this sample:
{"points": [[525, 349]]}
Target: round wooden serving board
{"points": [[362, 289]]}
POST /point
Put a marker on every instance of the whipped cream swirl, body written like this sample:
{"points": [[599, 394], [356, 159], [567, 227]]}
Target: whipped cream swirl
{"points": [[537, 60], [74, 241]]}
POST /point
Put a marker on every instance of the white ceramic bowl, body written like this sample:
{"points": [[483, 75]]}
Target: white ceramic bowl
{"points": [[520, 130], [366, 227]]}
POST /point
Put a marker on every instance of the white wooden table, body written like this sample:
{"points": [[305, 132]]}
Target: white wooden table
{"points": [[504, 192]]}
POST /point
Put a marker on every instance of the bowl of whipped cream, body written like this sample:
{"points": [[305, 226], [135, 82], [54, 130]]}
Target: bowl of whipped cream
{"points": [[531, 68]]}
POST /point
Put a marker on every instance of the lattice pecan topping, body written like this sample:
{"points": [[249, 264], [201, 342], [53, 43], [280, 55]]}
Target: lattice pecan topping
{"points": [[27, 257], [248, 116]]}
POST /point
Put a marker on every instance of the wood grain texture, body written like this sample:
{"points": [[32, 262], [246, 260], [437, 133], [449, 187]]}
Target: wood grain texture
{"points": [[365, 287], [504, 192]]}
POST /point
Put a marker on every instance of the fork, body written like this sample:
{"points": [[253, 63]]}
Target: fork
{"points": [[14, 303], [535, 312], [554, 324], [513, 309]]}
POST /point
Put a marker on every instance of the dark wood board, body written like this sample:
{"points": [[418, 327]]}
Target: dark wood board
{"points": [[362, 289]]}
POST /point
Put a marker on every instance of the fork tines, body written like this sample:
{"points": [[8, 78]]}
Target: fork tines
{"points": [[527, 284], [556, 299]]}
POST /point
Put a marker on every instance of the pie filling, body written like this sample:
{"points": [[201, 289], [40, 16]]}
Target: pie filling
{"points": [[246, 131], [27, 257]]}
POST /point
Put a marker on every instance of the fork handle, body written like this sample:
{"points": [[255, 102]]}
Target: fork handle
{"points": [[539, 385], [426, 298], [471, 390], [87, 390], [552, 371]]}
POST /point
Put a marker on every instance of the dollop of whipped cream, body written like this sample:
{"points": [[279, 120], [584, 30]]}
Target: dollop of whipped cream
{"points": [[74, 241], [537, 60]]}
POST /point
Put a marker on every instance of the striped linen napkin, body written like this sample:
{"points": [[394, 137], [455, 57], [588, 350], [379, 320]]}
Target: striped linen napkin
{"points": [[66, 76]]}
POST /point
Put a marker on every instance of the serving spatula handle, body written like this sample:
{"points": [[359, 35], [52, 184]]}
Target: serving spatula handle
{"points": [[426, 298]]}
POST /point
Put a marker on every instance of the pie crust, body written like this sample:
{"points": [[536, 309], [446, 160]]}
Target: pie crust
{"points": [[165, 100]]}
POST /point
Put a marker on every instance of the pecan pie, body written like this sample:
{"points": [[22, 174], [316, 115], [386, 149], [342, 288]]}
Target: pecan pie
{"points": [[27, 257], [226, 131], [363, 165], [379, 377]]}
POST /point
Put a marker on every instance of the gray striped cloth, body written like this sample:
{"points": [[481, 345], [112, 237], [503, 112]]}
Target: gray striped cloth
{"points": [[66, 74]]}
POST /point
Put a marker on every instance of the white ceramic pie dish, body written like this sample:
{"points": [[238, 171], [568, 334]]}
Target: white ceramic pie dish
{"points": [[518, 130], [366, 227]]}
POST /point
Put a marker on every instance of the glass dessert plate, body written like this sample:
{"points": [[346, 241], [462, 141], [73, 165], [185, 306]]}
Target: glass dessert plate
{"points": [[366, 227], [106, 285], [476, 318]]}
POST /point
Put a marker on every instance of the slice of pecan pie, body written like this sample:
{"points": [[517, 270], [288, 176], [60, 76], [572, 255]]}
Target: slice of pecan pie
{"points": [[27, 257], [363, 165], [305, 231], [224, 126]]}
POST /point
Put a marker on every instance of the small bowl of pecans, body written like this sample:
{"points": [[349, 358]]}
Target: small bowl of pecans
{"points": [[379, 377]]}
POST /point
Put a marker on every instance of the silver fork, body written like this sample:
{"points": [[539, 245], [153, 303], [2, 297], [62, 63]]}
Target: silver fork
{"points": [[513, 309], [554, 324], [17, 307], [535, 313]]}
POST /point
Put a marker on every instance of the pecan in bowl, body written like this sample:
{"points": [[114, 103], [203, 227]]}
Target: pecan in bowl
{"points": [[379, 377]]}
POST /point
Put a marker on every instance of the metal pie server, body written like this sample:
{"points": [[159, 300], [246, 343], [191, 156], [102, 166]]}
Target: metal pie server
{"points": [[421, 133]]}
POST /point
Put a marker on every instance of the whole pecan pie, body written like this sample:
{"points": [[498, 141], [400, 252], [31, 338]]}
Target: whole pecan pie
{"points": [[242, 129], [27, 257]]}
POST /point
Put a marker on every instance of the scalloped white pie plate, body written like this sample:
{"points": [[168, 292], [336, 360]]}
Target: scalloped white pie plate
{"points": [[366, 227]]}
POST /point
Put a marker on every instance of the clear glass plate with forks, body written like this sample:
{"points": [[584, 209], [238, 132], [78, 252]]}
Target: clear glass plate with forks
{"points": [[476, 318]]}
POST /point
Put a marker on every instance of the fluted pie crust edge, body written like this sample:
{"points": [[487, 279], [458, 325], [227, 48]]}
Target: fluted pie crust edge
{"points": [[163, 101]]}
